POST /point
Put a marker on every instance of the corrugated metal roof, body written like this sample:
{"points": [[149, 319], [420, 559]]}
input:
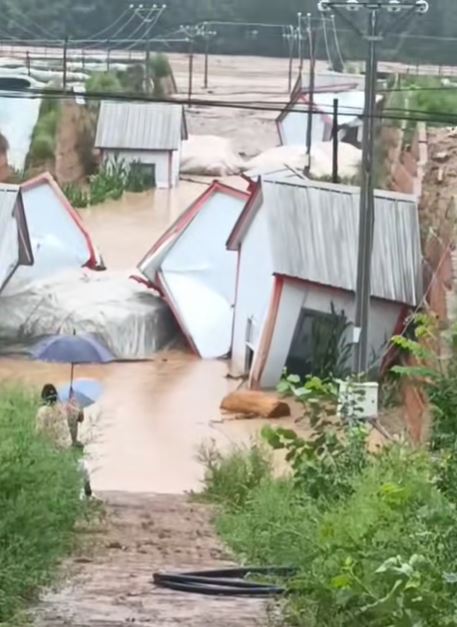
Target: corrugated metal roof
{"points": [[314, 236], [140, 126]]}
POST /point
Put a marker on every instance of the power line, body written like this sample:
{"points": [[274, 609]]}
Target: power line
{"points": [[337, 42], [55, 94], [33, 24], [113, 24]]}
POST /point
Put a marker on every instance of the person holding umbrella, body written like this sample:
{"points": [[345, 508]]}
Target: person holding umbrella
{"points": [[72, 349], [60, 424]]}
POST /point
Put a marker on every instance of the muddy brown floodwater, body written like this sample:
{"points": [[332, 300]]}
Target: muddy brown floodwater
{"points": [[144, 433]]}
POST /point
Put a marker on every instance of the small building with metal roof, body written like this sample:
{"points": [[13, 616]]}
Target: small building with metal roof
{"points": [[15, 246], [297, 242], [146, 136]]}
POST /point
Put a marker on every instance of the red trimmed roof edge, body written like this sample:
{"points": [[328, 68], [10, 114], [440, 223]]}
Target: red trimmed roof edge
{"points": [[47, 179], [192, 210]]}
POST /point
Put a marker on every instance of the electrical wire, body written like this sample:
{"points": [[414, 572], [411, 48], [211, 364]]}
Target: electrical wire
{"points": [[116, 34], [24, 17], [143, 22], [327, 49], [413, 115], [96, 36], [337, 43]]}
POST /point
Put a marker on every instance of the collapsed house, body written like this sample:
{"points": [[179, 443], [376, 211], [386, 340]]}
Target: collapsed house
{"points": [[297, 243], [58, 237], [59, 291], [146, 136], [15, 245], [292, 122], [195, 273]]}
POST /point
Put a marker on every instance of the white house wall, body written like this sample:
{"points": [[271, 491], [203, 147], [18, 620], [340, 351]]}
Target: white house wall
{"points": [[290, 305], [200, 275], [166, 163], [295, 295], [57, 240], [9, 245], [294, 128], [255, 283]]}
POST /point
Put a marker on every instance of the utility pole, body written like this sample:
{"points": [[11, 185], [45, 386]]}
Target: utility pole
{"points": [[150, 15], [403, 10], [290, 35], [300, 47], [191, 70], [207, 34], [312, 70], [335, 178], [108, 55], [65, 51]]}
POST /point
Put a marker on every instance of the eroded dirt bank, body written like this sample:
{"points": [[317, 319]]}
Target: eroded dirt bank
{"points": [[109, 585]]}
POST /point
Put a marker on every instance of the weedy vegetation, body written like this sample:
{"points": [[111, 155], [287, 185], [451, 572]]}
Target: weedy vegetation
{"points": [[39, 504], [373, 535]]}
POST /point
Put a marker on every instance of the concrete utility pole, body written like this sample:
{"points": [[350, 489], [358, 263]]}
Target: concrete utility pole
{"points": [[291, 35], [312, 75], [150, 15], [402, 11]]}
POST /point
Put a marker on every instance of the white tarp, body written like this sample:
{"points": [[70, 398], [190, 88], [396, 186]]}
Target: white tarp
{"points": [[197, 273], [349, 159], [209, 155], [130, 319]]}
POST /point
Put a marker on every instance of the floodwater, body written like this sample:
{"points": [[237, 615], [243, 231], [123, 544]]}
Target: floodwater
{"points": [[144, 433]]}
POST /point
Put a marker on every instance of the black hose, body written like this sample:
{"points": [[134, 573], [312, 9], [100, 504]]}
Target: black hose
{"points": [[226, 582]]}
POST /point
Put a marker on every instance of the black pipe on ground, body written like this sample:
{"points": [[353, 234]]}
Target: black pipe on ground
{"points": [[227, 582]]}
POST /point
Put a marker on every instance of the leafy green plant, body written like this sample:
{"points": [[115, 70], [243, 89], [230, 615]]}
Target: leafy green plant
{"points": [[77, 197]]}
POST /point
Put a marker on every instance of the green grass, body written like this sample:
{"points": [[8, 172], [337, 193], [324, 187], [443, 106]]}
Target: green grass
{"points": [[39, 503]]}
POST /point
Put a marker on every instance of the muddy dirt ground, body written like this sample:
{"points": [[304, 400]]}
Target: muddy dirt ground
{"points": [[111, 579]]}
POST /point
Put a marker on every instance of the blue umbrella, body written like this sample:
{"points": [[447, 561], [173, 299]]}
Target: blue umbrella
{"points": [[72, 349], [86, 392]]}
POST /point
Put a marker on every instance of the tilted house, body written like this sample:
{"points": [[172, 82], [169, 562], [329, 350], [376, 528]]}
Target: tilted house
{"points": [[195, 273], [297, 242], [58, 236], [145, 135]]}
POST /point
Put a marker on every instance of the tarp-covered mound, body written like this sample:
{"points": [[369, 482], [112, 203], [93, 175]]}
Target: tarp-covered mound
{"points": [[209, 155], [130, 319], [349, 159]]}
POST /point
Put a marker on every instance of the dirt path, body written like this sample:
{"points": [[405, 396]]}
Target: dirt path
{"points": [[110, 585]]}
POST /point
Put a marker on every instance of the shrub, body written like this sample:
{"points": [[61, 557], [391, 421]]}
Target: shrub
{"points": [[103, 82], [42, 148], [230, 478], [160, 66], [39, 502], [43, 143]]}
